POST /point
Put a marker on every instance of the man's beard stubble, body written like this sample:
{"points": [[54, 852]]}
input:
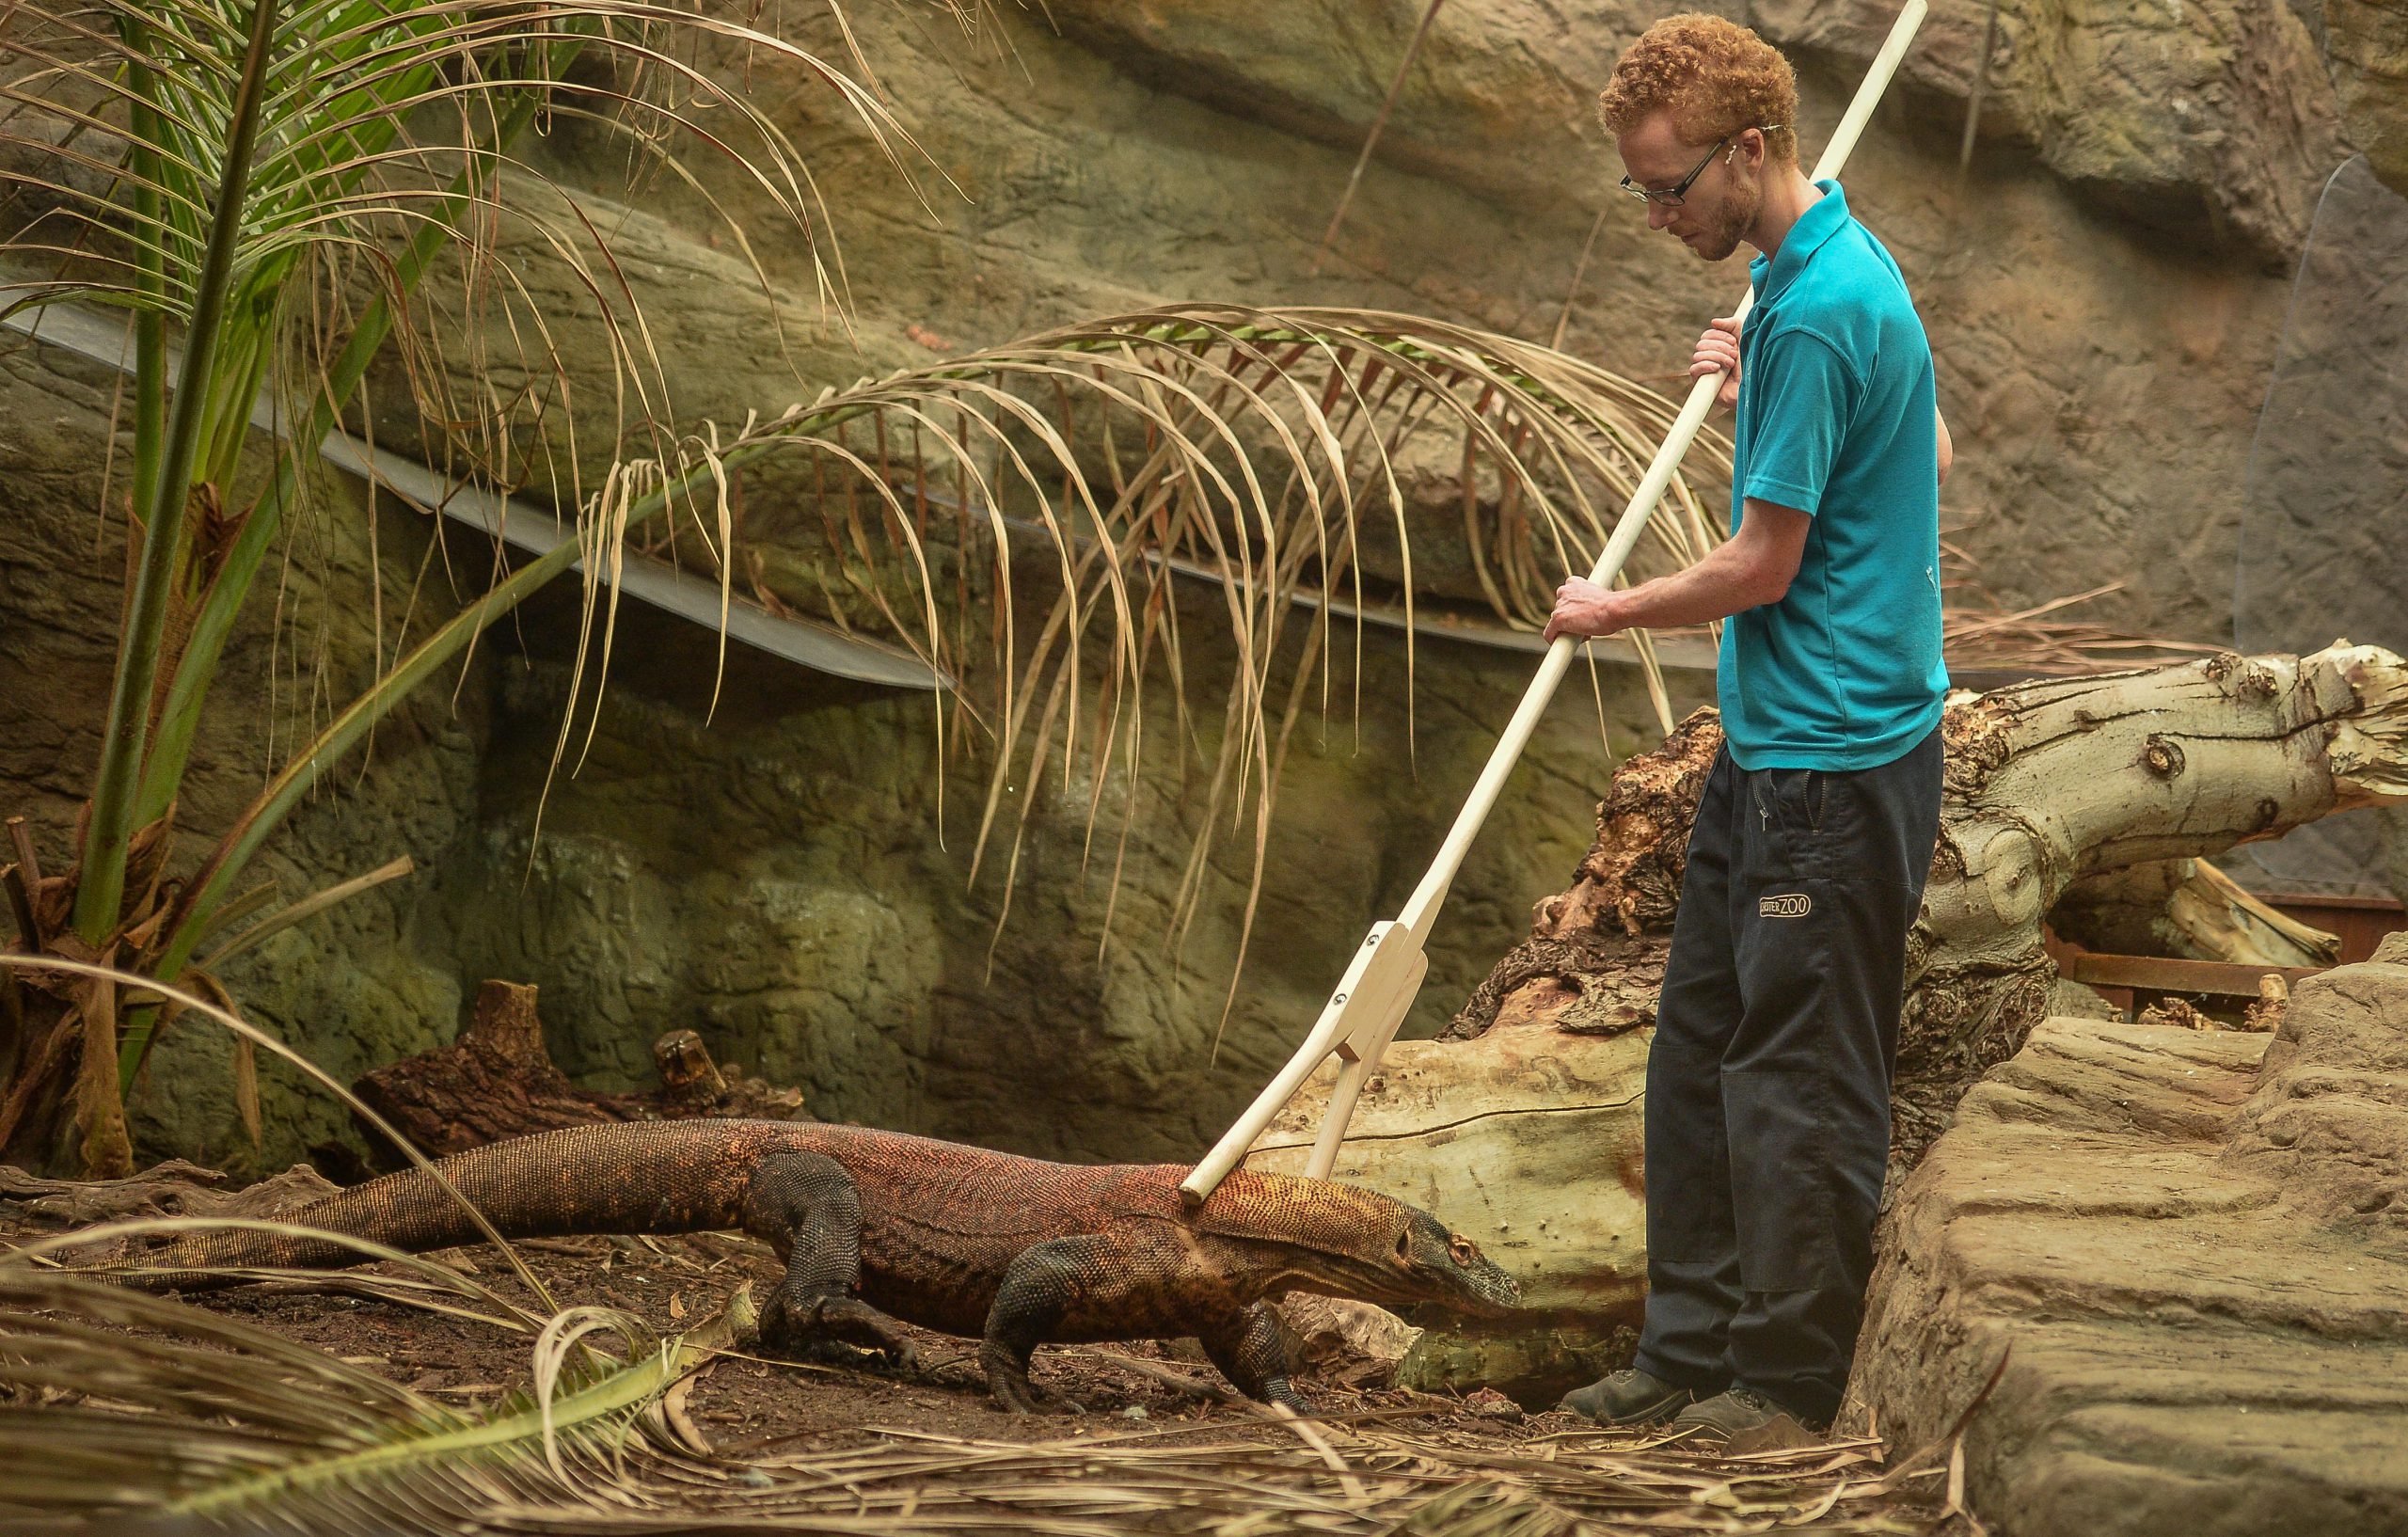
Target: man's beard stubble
{"points": [[1721, 238]]}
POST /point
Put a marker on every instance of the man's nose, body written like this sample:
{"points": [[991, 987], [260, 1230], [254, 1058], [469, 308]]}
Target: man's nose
{"points": [[1658, 215]]}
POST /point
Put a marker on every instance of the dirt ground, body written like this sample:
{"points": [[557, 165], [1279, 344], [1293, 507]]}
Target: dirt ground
{"points": [[746, 1404], [753, 1411]]}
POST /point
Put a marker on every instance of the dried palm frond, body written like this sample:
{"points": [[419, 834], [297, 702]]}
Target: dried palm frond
{"points": [[1261, 450], [1258, 448], [1983, 636], [115, 1407], [117, 1402], [1372, 138]]}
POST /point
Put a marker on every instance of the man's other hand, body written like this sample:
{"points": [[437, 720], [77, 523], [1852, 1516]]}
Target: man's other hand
{"points": [[1717, 352], [1583, 608]]}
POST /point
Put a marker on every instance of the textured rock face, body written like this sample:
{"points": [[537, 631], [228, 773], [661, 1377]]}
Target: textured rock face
{"points": [[2191, 1271], [2366, 46], [2103, 292], [2187, 117], [2329, 1121], [777, 882]]}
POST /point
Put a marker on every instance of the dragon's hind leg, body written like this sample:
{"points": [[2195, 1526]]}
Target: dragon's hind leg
{"points": [[1044, 1282], [1254, 1349], [804, 1206]]}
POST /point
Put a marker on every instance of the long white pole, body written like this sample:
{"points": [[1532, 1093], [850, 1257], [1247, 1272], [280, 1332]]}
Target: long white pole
{"points": [[1421, 911], [1362, 1015]]}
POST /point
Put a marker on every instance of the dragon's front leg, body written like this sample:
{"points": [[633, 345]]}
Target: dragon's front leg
{"points": [[1255, 1351], [804, 1206]]}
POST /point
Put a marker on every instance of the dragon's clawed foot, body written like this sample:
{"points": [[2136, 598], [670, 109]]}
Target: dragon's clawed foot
{"points": [[1280, 1391], [1007, 1381], [808, 1325]]}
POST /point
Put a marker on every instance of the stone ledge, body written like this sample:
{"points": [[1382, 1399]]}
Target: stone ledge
{"points": [[2195, 1344]]}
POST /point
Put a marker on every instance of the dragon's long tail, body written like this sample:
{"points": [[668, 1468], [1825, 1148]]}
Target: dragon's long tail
{"points": [[637, 1177]]}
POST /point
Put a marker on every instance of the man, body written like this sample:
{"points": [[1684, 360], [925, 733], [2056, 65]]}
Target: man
{"points": [[1767, 1120]]}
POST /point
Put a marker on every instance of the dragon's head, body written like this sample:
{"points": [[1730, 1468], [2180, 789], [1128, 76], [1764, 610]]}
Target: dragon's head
{"points": [[1441, 1268], [1343, 1241]]}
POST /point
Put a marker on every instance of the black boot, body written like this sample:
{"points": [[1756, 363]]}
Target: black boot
{"points": [[1628, 1397], [1719, 1420]]}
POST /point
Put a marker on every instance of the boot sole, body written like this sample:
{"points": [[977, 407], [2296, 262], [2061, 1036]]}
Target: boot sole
{"points": [[1654, 1414]]}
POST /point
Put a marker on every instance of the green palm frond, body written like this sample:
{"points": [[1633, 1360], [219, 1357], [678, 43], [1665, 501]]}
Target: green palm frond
{"points": [[269, 184], [217, 167]]}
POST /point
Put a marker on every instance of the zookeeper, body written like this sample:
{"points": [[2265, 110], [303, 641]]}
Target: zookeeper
{"points": [[1767, 1111]]}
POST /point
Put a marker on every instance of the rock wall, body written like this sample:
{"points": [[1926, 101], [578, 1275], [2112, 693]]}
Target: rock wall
{"points": [[2103, 291], [776, 880], [780, 879], [2104, 288], [2366, 44]]}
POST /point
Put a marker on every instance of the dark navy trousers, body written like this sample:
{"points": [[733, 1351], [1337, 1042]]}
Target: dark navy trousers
{"points": [[1767, 1117]]}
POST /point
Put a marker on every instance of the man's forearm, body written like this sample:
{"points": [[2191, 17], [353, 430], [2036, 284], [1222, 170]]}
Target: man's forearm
{"points": [[1727, 581], [1753, 569]]}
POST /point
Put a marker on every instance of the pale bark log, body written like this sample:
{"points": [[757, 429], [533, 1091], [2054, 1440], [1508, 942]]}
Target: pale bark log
{"points": [[2186, 908], [2054, 781], [1522, 1125]]}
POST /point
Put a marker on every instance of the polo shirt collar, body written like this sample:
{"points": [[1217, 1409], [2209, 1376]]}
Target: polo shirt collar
{"points": [[1817, 225]]}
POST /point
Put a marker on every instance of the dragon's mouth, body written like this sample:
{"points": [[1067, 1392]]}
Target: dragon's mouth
{"points": [[1438, 1312]]}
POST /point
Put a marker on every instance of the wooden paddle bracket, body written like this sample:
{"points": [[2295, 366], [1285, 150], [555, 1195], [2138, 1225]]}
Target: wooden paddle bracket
{"points": [[1377, 989]]}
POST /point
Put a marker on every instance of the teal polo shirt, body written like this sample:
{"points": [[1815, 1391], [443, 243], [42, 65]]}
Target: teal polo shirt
{"points": [[1835, 420]]}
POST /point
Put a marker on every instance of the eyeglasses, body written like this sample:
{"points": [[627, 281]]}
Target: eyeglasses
{"points": [[1671, 197]]}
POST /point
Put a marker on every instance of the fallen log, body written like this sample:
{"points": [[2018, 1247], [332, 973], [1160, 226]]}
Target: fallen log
{"points": [[2188, 908], [498, 1081], [1522, 1122], [2081, 792]]}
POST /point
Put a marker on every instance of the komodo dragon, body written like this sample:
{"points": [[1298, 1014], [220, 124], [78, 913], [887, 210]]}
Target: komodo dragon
{"points": [[875, 1226]]}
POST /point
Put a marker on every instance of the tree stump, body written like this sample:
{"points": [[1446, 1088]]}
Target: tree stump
{"points": [[498, 1081]]}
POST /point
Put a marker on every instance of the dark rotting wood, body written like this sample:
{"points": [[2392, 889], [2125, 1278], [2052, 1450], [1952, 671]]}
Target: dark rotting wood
{"points": [[498, 1080]]}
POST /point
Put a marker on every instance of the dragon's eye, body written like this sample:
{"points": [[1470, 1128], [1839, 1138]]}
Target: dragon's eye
{"points": [[1462, 1250]]}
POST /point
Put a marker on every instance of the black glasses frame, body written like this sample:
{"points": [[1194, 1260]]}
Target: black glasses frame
{"points": [[1671, 197]]}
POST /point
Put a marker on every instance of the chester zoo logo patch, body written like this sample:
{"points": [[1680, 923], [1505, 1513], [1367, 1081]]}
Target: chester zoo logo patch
{"points": [[1787, 905]]}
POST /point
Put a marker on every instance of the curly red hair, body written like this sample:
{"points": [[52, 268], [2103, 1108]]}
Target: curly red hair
{"points": [[1715, 76]]}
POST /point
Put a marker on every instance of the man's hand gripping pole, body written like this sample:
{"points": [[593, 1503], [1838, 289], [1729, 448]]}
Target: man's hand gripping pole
{"points": [[1361, 1016]]}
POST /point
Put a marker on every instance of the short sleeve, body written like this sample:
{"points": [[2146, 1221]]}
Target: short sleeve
{"points": [[1802, 400]]}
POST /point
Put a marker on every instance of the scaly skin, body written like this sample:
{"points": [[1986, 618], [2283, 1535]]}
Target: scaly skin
{"points": [[875, 1226]]}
